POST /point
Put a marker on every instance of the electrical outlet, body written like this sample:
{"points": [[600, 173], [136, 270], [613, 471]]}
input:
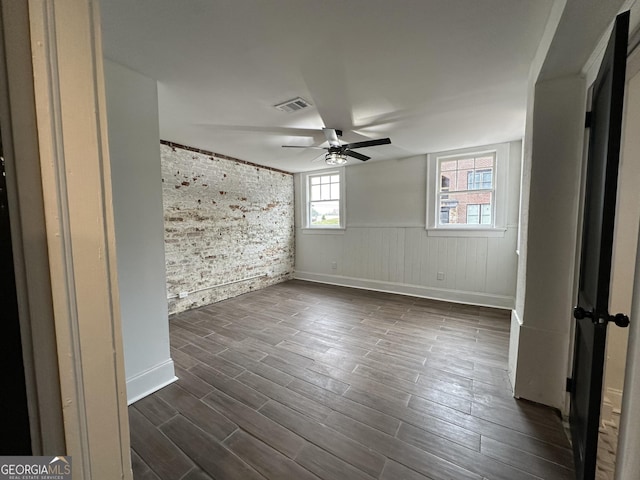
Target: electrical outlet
{"points": [[183, 294], [440, 276], [334, 265]]}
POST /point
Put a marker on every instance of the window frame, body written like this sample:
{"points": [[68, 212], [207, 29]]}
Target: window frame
{"points": [[499, 193], [305, 188]]}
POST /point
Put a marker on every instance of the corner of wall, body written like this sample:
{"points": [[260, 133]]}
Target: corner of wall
{"points": [[541, 377], [132, 111], [151, 380], [514, 340]]}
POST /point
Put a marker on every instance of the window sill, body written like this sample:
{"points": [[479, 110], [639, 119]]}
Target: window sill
{"points": [[467, 232], [323, 231]]}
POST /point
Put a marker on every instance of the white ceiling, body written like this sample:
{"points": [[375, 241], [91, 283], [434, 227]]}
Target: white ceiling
{"points": [[432, 75]]}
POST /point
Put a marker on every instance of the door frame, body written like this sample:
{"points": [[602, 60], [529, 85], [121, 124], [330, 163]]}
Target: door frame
{"points": [[26, 205], [627, 460], [598, 207], [590, 72], [627, 464], [67, 247]]}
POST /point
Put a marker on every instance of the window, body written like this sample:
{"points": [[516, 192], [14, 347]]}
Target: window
{"points": [[479, 179], [466, 183], [445, 214], [325, 205], [479, 214], [324, 200], [467, 191]]}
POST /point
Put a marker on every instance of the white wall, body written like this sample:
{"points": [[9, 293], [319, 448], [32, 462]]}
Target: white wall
{"points": [[134, 144], [553, 203], [386, 247], [625, 244], [391, 193], [525, 179], [541, 334], [628, 461]]}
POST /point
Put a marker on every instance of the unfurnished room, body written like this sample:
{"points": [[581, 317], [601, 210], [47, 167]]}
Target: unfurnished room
{"points": [[337, 239]]}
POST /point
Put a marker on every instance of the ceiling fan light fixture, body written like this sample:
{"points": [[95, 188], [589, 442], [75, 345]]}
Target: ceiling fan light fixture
{"points": [[335, 158]]}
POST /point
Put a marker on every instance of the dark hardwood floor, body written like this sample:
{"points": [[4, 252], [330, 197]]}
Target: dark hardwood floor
{"points": [[306, 381]]}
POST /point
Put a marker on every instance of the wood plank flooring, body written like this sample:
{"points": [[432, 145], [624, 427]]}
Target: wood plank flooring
{"points": [[308, 381]]}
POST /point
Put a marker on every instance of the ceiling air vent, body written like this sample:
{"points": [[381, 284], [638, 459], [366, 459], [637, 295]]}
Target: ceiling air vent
{"points": [[293, 105]]}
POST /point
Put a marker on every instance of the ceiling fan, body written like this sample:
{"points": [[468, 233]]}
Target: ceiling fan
{"points": [[338, 152]]}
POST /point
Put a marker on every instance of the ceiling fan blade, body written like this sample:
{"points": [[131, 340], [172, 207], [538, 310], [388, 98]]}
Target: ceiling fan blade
{"points": [[328, 87], [303, 146], [357, 155], [369, 143], [332, 136]]}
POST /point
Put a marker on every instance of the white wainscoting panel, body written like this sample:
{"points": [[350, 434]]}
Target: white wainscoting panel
{"points": [[406, 260]]}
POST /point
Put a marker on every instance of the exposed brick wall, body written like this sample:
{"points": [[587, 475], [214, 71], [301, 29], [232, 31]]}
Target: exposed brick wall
{"points": [[225, 220]]}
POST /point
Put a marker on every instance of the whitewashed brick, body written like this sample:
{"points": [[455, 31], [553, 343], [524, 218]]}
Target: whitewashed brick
{"points": [[224, 220]]}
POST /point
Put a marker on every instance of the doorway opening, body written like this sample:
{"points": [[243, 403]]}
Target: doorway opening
{"points": [[13, 402], [622, 274]]}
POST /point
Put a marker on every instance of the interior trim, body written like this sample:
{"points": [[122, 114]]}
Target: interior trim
{"points": [[446, 295]]}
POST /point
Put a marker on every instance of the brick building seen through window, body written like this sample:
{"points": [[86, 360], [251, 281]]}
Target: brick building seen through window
{"points": [[466, 193]]}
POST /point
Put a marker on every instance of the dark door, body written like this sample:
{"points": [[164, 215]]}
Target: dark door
{"points": [[592, 310], [15, 438]]}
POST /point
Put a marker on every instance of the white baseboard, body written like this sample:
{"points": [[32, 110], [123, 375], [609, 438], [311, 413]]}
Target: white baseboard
{"points": [[149, 381], [447, 295], [514, 341]]}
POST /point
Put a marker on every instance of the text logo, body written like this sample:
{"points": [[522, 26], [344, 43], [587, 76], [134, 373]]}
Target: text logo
{"points": [[35, 468]]}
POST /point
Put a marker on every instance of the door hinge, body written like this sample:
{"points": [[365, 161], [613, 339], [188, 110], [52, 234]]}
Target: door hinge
{"points": [[587, 120], [569, 385]]}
